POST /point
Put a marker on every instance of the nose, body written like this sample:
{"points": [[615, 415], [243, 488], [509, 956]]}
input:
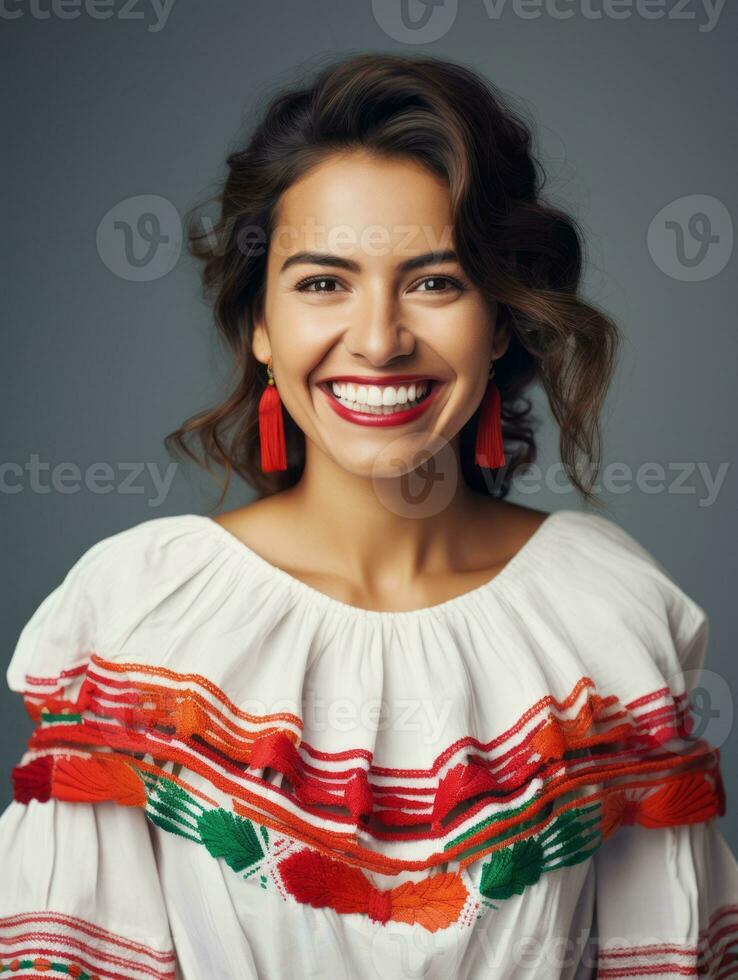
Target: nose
{"points": [[376, 332]]}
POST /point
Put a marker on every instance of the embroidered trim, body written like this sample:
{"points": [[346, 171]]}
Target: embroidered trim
{"points": [[714, 956], [323, 878], [191, 723], [310, 876], [47, 941], [199, 707]]}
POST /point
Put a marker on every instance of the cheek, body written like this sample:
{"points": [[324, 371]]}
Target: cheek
{"points": [[465, 343], [299, 349], [296, 333]]}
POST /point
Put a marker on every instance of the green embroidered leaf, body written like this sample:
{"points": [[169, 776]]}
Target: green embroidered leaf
{"points": [[230, 837], [528, 856], [572, 845], [567, 817], [576, 858], [175, 814], [568, 834], [172, 801], [510, 870], [497, 874], [169, 826], [566, 822]]}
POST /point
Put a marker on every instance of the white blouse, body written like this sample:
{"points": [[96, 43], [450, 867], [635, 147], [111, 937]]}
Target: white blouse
{"points": [[234, 775]]}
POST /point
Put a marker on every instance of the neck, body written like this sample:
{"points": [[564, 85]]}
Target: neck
{"points": [[388, 530]]}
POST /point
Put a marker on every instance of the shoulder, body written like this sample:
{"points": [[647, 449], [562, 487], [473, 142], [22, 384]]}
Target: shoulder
{"points": [[122, 565], [596, 542], [618, 592], [113, 584]]}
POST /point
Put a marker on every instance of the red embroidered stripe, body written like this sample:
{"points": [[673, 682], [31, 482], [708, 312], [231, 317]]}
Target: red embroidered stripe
{"points": [[65, 939], [592, 768], [715, 955], [187, 706], [678, 799], [190, 713], [556, 748], [559, 775]]}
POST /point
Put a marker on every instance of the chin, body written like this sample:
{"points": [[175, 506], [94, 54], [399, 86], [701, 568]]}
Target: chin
{"points": [[399, 456]]}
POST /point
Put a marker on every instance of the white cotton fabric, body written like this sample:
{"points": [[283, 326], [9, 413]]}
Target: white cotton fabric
{"points": [[581, 599]]}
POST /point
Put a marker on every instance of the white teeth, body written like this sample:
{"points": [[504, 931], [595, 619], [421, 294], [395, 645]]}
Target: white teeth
{"points": [[375, 395], [376, 399]]}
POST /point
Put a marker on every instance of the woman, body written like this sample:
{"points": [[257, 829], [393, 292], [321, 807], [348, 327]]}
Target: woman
{"points": [[380, 722]]}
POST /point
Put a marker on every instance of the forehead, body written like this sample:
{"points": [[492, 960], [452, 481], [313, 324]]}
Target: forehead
{"points": [[355, 202]]}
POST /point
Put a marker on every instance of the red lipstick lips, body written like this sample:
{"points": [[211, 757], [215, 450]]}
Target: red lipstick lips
{"points": [[387, 379], [391, 419]]}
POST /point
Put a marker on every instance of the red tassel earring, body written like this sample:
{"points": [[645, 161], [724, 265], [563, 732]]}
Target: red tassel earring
{"points": [[489, 450], [271, 427]]}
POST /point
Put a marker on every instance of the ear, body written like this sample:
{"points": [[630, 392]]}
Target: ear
{"points": [[260, 346], [501, 338], [501, 342]]}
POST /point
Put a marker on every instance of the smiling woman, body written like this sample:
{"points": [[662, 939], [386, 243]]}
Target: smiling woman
{"points": [[400, 199], [378, 719]]}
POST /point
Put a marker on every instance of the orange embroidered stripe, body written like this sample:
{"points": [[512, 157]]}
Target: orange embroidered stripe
{"points": [[476, 841], [628, 729], [140, 743], [213, 689], [45, 947], [584, 719], [210, 744], [558, 784], [165, 704], [713, 933], [369, 860], [372, 860], [435, 903]]}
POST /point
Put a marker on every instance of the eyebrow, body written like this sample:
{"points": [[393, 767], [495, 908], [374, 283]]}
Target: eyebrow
{"points": [[327, 258]]}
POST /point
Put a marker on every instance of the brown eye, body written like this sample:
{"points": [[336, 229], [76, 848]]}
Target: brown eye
{"points": [[435, 281], [321, 281]]}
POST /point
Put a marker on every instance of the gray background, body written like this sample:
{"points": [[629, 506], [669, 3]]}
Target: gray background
{"points": [[630, 115]]}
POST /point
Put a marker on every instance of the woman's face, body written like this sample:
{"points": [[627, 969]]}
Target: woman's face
{"points": [[369, 304]]}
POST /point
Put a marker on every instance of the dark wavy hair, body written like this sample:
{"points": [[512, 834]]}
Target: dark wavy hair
{"points": [[517, 249]]}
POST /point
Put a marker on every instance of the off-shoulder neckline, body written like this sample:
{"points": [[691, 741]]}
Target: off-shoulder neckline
{"points": [[299, 587]]}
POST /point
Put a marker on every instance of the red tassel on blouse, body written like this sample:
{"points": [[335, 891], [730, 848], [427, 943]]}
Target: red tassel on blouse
{"points": [[271, 431]]}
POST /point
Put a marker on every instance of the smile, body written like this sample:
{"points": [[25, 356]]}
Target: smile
{"points": [[367, 404]]}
